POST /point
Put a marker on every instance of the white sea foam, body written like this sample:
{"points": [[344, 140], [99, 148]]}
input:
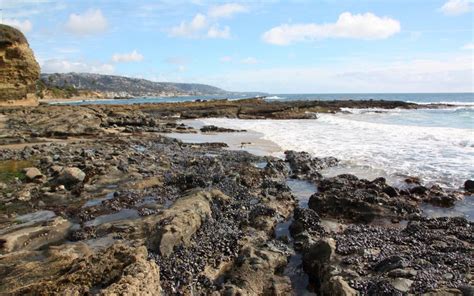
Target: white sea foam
{"points": [[368, 110], [444, 103], [436, 154], [274, 98], [454, 108]]}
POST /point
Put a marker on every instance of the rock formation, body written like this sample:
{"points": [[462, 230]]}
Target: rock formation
{"points": [[19, 70]]}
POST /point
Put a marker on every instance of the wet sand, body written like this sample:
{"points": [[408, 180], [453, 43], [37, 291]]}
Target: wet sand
{"points": [[249, 141]]}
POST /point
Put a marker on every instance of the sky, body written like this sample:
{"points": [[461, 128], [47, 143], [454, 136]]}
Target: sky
{"points": [[299, 46]]}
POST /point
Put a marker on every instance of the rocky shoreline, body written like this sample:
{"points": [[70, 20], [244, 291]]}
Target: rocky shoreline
{"points": [[98, 200]]}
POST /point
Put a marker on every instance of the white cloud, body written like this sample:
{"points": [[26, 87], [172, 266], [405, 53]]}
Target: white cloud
{"points": [[249, 61], [24, 26], [215, 32], [206, 26], [226, 10], [133, 56], [66, 66], [200, 27], [456, 7], [90, 22], [357, 26], [469, 46], [190, 29]]}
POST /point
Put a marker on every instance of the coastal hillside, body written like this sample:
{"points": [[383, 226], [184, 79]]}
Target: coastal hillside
{"points": [[73, 84]]}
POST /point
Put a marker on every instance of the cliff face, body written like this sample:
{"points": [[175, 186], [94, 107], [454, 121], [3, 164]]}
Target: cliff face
{"points": [[19, 70]]}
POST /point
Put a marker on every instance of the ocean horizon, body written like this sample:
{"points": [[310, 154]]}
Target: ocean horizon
{"points": [[420, 98]]}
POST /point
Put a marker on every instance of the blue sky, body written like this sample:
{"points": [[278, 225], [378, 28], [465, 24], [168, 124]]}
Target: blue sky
{"points": [[273, 46]]}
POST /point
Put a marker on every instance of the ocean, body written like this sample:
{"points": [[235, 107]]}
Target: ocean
{"points": [[380, 143], [436, 145], [454, 98]]}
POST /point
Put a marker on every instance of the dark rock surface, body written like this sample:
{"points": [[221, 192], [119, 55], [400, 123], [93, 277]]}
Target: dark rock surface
{"points": [[136, 189], [469, 186], [304, 166], [430, 252], [216, 129], [140, 212], [359, 200], [306, 220]]}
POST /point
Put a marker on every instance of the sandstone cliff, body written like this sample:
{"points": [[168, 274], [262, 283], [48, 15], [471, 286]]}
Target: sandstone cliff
{"points": [[19, 70]]}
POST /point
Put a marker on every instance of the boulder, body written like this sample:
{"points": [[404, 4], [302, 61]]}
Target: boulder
{"points": [[216, 129], [337, 286], [390, 263], [318, 262], [70, 176], [441, 198], [319, 254], [304, 166], [33, 174], [19, 70], [401, 284], [348, 197], [305, 220], [469, 186], [255, 272]]}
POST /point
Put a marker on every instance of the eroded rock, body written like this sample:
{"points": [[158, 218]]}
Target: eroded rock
{"points": [[182, 220], [19, 70], [33, 232], [254, 273], [75, 270]]}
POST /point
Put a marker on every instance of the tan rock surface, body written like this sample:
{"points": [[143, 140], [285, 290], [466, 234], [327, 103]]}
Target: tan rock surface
{"points": [[182, 220], [71, 269], [255, 273], [33, 234], [19, 70]]}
